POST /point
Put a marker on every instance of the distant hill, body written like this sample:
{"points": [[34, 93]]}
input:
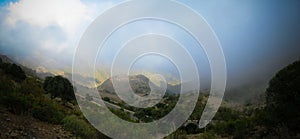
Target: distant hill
{"points": [[6, 59], [139, 84], [82, 80], [248, 94], [28, 71]]}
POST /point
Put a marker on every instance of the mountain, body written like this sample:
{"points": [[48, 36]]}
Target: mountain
{"points": [[82, 80], [6, 59], [189, 85], [28, 71], [174, 88], [138, 83]]}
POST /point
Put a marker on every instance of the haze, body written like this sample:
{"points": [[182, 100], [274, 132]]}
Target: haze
{"points": [[257, 37]]}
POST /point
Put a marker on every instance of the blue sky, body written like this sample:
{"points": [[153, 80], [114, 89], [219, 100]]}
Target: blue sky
{"points": [[258, 37]]}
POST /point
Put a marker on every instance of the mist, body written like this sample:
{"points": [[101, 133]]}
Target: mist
{"points": [[257, 37]]}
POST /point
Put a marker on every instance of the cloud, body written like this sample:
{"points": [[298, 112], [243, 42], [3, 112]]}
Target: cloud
{"points": [[67, 15], [47, 12], [46, 29]]}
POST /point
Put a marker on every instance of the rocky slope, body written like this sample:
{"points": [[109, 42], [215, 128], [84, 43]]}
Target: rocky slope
{"points": [[19, 127]]}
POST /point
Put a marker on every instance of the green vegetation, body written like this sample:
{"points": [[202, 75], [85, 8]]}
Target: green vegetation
{"points": [[106, 99], [15, 71], [278, 118], [80, 128], [122, 114], [59, 86], [154, 113], [49, 112], [283, 99], [23, 95]]}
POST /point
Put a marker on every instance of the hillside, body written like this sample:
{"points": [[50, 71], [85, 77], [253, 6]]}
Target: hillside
{"points": [[138, 83], [31, 107], [22, 126], [27, 110]]}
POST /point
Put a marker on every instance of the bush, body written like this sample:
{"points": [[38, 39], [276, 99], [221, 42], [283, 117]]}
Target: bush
{"points": [[226, 114], [208, 135], [122, 114], [31, 86], [283, 98], [14, 70], [192, 128], [6, 85], [16, 104], [240, 129], [107, 99], [236, 128], [59, 86], [178, 134], [79, 127], [48, 112]]}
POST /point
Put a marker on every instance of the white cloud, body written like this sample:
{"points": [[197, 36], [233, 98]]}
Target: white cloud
{"points": [[68, 14], [48, 27]]}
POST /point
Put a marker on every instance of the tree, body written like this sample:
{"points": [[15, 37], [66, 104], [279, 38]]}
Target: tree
{"points": [[192, 128], [15, 71], [107, 99], [59, 86], [283, 98], [31, 86]]}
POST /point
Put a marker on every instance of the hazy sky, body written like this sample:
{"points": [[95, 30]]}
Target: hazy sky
{"points": [[258, 37]]}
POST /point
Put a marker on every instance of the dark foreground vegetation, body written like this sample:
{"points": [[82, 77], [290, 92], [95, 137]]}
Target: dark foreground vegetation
{"points": [[52, 101], [279, 117]]}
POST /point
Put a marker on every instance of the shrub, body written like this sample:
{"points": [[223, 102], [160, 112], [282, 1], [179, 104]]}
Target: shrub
{"points": [[106, 99], [79, 127], [31, 86], [16, 104], [283, 98], [59, 86], [192, 128], [208, 135], [48, 112], [14, 70], [6, 85]]}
